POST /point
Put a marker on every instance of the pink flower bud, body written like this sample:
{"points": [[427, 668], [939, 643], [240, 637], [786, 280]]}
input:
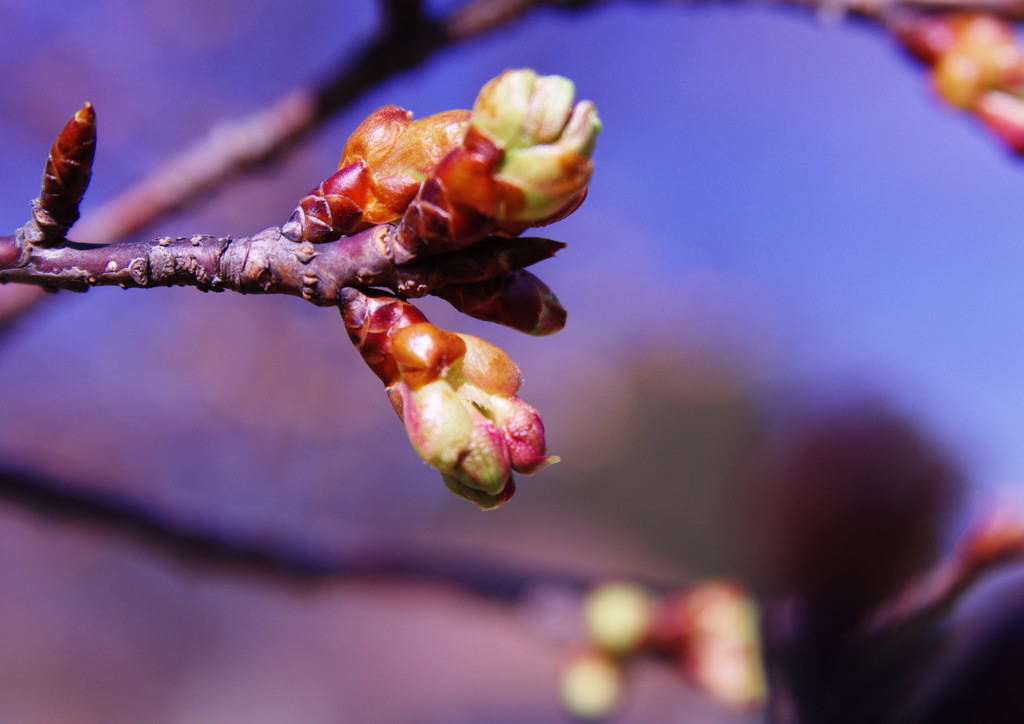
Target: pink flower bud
{"points": [[524, 435], [454, 438]]}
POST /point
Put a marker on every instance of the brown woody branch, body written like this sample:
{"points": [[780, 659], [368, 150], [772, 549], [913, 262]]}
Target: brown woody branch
{"points": [[266, 263]]}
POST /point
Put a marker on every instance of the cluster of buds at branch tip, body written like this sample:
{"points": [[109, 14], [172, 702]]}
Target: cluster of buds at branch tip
{"points": [[710, 629], [455, 394], [431, 206], [977, 65], [519, 159], [65, 179], [444, 189]]}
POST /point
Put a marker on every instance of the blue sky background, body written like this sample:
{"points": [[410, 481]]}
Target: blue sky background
{"points": [[775, 196]]}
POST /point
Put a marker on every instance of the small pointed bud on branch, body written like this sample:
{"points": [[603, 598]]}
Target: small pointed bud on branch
{"points": [[518, 300], [65, 178]]}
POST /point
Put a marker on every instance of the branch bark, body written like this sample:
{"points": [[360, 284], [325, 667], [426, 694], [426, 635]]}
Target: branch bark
{"points": [[265, 263]]}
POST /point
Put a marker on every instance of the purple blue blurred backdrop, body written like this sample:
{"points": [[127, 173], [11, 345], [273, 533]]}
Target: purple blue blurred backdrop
{"points": [[780, 207]]}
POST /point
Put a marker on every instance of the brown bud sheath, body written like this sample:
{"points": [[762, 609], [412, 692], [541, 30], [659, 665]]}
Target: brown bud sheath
{"points": [[371, 319], [333, 208], [381, 168], [456, 206], [65, 177], [518, 300]]}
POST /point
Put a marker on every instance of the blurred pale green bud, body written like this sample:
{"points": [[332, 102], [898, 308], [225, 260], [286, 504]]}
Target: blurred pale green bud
{"points": [[618, 616], [591, 686]]}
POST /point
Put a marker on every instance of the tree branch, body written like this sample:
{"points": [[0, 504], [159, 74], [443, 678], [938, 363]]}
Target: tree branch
{"points": [[207, 548], [265, 263]]}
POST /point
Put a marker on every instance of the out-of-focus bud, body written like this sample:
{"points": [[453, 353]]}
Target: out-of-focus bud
{"points": [[1003, 114], [971, 54], [591, 685], [721, 651], [925, 36], [850, 506], [959, 78], [618, 617]]}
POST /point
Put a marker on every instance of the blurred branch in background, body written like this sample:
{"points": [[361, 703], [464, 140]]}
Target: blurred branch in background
{"points": [[281, 562]]}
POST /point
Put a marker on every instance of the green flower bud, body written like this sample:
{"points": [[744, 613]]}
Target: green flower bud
{"points": [[438, 424], [546, 142]]}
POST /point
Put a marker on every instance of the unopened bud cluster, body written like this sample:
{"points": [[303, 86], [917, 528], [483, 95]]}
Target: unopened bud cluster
{"points": [[520, 158], [439, 186], [977, 65], [456, 396], [710, 630]]}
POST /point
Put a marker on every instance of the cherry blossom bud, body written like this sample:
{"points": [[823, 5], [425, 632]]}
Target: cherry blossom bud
{"points": [[591, 685], [65, 177], [489, 381], [1003, 114], [455, 395], [546, 142], [618, 617], [381, 168], [721, 654], [518, 300], [453, 438], [971, 53], [524, 161]]}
